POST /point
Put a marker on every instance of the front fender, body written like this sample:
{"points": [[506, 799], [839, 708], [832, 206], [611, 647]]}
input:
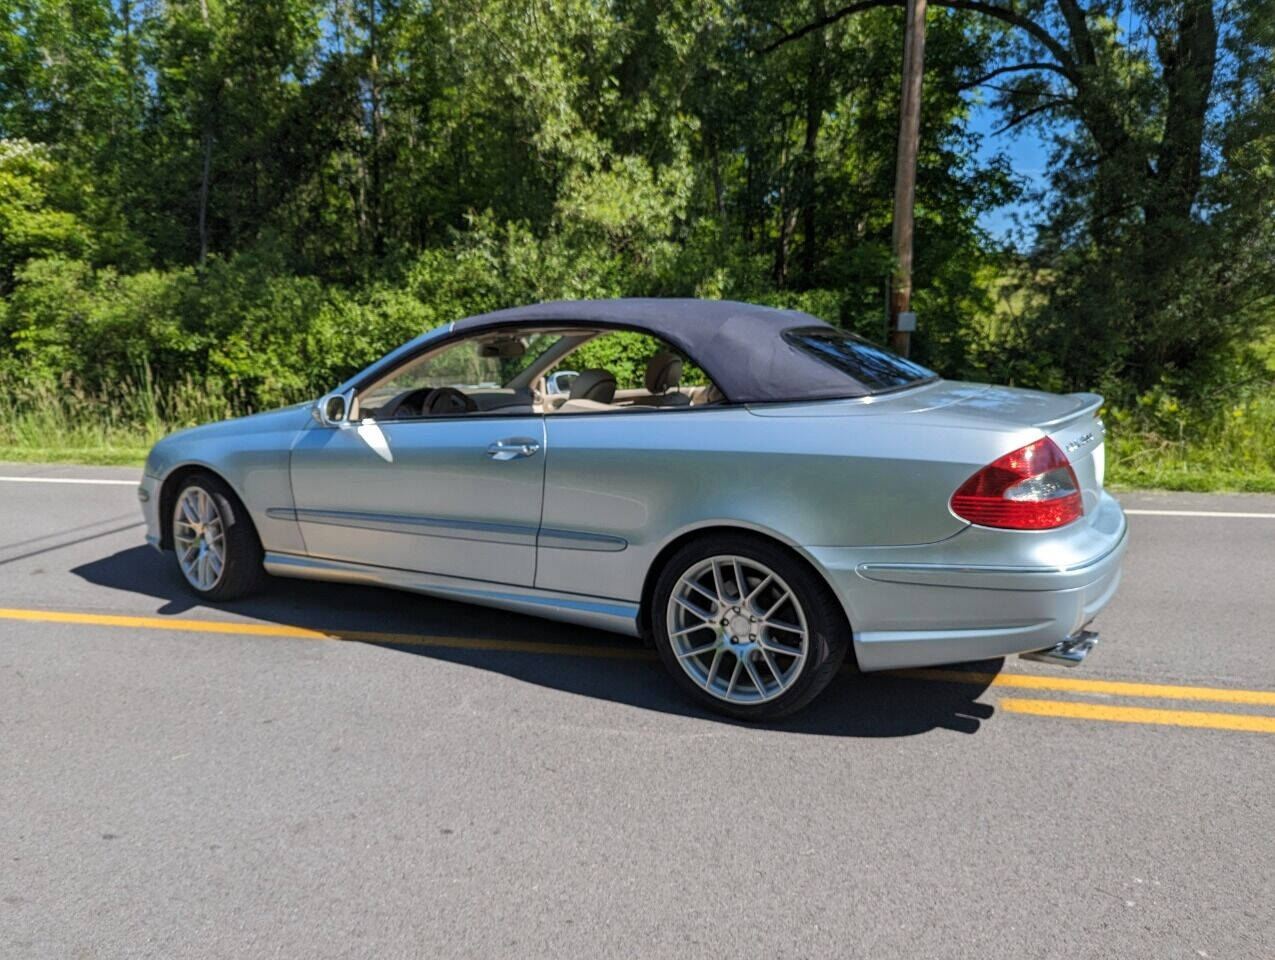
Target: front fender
{"points": [[251, 454]]}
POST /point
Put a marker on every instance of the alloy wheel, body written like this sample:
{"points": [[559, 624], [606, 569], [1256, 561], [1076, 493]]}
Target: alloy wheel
{"points": [[199, 535], [737, 629]]}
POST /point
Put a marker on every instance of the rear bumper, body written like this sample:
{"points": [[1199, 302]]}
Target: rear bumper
{"points": [[980, 594]]}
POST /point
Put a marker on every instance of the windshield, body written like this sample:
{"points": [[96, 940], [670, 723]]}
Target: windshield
{"points": [[874, 368]]}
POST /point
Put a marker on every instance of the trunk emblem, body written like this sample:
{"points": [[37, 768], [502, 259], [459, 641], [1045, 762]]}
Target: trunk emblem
{"points": [[1074, 445]]}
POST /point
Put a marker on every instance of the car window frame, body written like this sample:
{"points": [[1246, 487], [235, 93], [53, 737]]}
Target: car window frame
{"points": [[374, 377]]}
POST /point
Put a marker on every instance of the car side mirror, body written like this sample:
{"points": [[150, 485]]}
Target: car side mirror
{"points": [[333, 409]]}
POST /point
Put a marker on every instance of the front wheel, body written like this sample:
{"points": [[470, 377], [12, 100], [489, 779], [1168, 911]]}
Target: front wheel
{"points": [[218, 552], [746, 628]]}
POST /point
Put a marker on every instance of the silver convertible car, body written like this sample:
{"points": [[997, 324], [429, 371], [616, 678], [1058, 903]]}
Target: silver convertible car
{"points": [[768, 495]]}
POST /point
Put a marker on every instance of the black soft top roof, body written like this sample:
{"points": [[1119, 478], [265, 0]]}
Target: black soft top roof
{"points": [[739, 345]]}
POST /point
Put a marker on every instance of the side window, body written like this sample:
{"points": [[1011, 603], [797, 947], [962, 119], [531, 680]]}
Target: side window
{"points": [[625, 371]]}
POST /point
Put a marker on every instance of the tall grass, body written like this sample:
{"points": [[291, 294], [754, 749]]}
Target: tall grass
{"points": [[1233, 449], [44, 422]]}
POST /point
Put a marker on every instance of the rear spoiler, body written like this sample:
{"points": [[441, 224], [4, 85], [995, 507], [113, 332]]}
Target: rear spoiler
{"points": [[1086, 403]]}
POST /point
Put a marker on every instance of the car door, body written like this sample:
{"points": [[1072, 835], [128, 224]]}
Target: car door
{"points": [[456, 496], [617, 484]]}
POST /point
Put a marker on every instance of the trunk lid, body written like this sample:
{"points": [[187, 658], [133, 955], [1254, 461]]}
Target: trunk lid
{"points": [[1009, 405], [1070, 420]]}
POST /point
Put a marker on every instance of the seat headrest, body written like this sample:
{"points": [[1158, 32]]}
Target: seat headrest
{"points": [[664, 370], [597, 385]]}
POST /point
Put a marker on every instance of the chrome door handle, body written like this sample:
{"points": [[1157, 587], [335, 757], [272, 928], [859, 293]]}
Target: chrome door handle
{"points": [[512, 448]]}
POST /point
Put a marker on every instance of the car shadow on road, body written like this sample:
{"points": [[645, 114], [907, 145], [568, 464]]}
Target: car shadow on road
{"points": [[874, 705]]}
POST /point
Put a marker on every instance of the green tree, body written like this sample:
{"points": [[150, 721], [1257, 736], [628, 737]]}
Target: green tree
{"points": [[37, 218], [1153, 259]]}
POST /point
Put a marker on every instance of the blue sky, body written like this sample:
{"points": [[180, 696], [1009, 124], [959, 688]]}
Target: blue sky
{"points": [[1028, 156]]}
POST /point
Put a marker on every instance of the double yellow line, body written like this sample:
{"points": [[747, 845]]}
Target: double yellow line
{"points": [[1079, 710], [1021, 681]]}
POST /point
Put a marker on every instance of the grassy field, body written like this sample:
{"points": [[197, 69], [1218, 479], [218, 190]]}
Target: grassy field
{"points": [[46, 425], [107, 455], [1158, 445], [1233, 452]]}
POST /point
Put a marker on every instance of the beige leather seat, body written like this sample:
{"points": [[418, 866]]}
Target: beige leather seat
{"points": [[664, 373], [592, 390]]}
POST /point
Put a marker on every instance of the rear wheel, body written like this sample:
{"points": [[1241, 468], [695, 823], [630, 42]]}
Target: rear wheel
{"points": [[217, 549], [746, 628]]}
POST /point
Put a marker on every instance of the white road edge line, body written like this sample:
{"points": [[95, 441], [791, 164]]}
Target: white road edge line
{"points": [[121, 483], [1200, 513]]}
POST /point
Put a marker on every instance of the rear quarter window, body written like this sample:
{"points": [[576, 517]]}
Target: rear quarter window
{"points": [[875, 368]]}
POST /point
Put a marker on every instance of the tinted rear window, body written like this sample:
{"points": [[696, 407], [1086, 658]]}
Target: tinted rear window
{"points": [[875, 368]]}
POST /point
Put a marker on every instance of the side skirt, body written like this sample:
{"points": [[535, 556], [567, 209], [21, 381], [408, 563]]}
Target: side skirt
{"points": [[616, 615]]}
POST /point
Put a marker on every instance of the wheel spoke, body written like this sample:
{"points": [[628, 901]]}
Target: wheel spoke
{"points": [[771, 666], [754, 676], [765, 582], [720, 584], [712, 670], [691, 629], [685, 605], [698, 651], [777, 604], [734, 676], [782, 625], [781, 650], [701, 591]]}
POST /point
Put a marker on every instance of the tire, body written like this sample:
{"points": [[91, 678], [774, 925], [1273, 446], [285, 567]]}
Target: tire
{"points": [[780, 669], [205, 504]]}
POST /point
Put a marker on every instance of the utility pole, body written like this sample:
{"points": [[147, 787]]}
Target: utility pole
{"points": [[206, 144], [905, 177]]}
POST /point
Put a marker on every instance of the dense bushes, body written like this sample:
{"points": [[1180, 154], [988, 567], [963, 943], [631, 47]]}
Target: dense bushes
{"points": [[264, 338], [261, 335]]}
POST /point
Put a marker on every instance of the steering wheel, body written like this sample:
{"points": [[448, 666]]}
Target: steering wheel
{"points": [[406, 404], [428, 402], [446, 402]]}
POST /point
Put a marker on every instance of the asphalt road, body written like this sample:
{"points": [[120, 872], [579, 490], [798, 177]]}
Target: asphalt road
{"points": [[350, 772]]}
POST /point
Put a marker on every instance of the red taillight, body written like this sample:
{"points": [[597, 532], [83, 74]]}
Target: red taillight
{"points": [[1032, 488]]}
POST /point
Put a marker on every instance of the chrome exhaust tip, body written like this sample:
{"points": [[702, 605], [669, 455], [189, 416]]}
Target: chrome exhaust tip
{"points": [[1069, 652]]}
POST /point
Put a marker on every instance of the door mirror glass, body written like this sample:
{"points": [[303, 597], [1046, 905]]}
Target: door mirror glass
{"points": [[333, 409]]}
